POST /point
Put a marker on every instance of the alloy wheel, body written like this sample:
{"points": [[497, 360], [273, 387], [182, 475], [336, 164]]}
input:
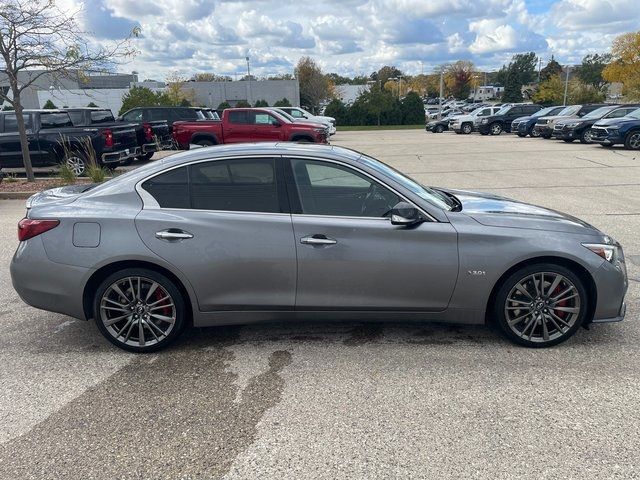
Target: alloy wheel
{"points": [[466, 129], [588, 136], [634, 141], [534, 133], [137, 311], [76, 164], [496, 129], [542, 307]]}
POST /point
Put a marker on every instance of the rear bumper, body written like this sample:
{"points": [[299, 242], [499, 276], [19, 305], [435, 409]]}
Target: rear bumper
{"points": [[120, 155], [47, 285], [155, 147]]}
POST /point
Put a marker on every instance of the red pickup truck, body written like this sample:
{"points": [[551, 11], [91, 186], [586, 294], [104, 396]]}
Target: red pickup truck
{"points": [[247, 125]]}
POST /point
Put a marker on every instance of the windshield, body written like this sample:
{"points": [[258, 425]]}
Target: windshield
{"points": [[284, 114], [570, 110], [430, 195], [503, 110], [281, 116], [598, 113], [543, 112], [635, 114]]}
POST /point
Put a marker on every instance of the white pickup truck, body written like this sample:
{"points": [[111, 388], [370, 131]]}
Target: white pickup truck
{"points": [[468, 123]]}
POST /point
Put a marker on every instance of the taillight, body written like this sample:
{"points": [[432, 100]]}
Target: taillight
{"points": [[29, 228], [108, 138], [148, 132]]}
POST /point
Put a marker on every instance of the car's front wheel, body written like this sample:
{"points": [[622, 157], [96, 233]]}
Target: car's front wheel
{"points": [[541, 305], [439, 129], [76, 162], [467, 128], [495, 129], [139, 310], [632, 142]]}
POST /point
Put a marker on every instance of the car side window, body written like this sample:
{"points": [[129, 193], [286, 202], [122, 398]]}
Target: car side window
{"points": [[335, 190], [11, 123], [170, 189], [619, 113], [240, 117], [235, 185], [264, 119], [133, 116], [296, 113], [158, 114]]}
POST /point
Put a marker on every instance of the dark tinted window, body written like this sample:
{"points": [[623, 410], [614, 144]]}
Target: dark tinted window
{"points": [[55, 120], [187, 114], [235, 185], [240, 116], [101, 116], [11, 123], [158, 114], [334, 190], [531, 109], [171, 189], [76, 117], [133, 116]]}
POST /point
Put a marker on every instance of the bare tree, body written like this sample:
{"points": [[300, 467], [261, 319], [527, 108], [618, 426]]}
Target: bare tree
{"points": [[36, 39]]}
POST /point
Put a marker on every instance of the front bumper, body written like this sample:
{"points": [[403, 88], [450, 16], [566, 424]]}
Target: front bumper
{"points": [[543, 130], [606, 137], [611, 286], [566, 133], [120, 155]]}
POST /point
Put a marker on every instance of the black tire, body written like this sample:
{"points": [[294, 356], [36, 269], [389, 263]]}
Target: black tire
{"points": [[495, 128], [522, 276], [534, 133], [164, 286], [585, 136], [632, 140], [522, 135], [145, 157], [467, 128], [204, 142], [438, 129], [127, 162]]}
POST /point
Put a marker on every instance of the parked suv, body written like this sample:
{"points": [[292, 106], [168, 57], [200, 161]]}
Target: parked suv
{"points": [[297, 112], [544, 125], [523, 126], [625, 130], [467, 123], [576, 128], [501, 121]]}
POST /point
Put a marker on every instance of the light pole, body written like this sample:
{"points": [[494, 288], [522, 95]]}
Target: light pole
{"points": [[249, 99], [441, 93], [566, 86], [399, 86]]}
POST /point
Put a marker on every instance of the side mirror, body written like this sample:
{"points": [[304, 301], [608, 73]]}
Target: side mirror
{"points": [[405, 214]]}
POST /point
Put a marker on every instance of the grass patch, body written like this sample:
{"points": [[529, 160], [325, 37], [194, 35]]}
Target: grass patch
{"points": [[353, 128]]}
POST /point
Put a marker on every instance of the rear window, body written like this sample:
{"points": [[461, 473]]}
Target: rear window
{"points": [[55, 120], [225, 185], [101, 116], [76, 117]]}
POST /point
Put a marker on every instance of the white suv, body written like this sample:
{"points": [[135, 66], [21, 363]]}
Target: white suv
{"points": [[467, 123], [297, 112]]}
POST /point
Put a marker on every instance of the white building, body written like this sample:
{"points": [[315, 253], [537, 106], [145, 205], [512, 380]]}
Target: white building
{"points": [[486, 92]]}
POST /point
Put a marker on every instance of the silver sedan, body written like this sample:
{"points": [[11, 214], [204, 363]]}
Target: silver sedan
{"points": [[259, 232]]}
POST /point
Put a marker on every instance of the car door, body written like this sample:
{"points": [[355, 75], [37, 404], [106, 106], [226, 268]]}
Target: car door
{"points": [[225, 225], [267, 128], [10, 147], [239, 126], [350, 256]]}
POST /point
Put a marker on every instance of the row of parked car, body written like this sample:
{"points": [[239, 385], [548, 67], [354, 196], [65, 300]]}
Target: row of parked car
{"points": [[76, 136], [605, 124]]}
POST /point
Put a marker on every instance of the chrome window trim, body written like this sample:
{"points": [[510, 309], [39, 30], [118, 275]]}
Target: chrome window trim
{"points": [[150, 203]]}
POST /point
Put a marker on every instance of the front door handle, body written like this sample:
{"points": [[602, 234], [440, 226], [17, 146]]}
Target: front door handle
{"points": [[173, 235], [318, 240]]}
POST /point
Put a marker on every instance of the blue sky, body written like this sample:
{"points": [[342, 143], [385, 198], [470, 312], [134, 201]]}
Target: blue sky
{"points": [[352, 36]]}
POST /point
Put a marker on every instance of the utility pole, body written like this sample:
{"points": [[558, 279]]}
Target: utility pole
{"points": [[399, 85], [539, 67], [249, 80], [441, 93], [566, 87]]}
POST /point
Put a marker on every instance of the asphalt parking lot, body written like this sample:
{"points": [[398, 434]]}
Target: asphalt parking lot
{"points": [[348, 400]]}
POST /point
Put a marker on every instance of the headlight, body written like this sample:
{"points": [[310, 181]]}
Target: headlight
{"points": [[572, 125], [606, 251], [484, 121], [320, 130]]}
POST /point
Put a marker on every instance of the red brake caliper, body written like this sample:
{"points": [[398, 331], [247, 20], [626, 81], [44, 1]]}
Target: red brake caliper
{"points": [[159, 295], [563, 303]]}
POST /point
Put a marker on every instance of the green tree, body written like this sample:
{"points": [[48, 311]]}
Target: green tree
{"points": [[282, 103], [580, 93], [552, 68], [385, 73], [590, 70], [338, 110], [92, 105], [625, 64], [520, 71], [243, 104], [185, 103], [49, 105], [458, 78], [261, 103], [550, 91], [142, 97], [224, 105], [412, 109], [315, 87], [373, 103]]}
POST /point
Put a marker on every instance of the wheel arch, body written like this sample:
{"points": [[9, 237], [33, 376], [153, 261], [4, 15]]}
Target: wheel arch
{"points": [[204, 136], [572, 265], [103, 272]]}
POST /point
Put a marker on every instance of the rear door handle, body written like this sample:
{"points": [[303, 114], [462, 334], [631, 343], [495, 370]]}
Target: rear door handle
{"points": [[318, 239], [173, 235]]}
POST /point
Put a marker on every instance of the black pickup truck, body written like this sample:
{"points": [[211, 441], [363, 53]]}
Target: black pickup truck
{"points": [[54, 139], [153, 135]]}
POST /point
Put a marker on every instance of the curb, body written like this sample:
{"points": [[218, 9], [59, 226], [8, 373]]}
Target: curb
{"points": [[16, 195]]}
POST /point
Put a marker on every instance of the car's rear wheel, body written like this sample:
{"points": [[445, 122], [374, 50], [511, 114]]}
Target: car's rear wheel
{"points": [[146, 156], [76, 162], [139, 310], [632, 142], [541, 305], [204, 143], [495, 129]]}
